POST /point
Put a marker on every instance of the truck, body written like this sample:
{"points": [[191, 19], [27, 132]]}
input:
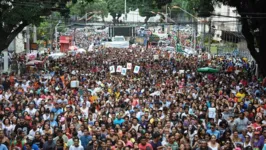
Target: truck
{"points": [[117, 42]]}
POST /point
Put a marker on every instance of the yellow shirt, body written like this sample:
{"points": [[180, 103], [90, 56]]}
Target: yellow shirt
{"points": [[240, 96]]}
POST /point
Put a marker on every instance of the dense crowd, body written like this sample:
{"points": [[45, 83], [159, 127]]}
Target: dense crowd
{"points": [[76, 103]]}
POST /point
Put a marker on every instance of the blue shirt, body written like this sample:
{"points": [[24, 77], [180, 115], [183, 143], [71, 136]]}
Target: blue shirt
{"points": [[3, 147], [215, 132], [85, 139], [118, 121], [33, 147]]}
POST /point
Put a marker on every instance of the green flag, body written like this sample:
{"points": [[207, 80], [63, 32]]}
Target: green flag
{"points": [[179, 49]]}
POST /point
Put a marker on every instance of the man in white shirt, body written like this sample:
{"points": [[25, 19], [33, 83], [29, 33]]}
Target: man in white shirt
{"points": [[31, 110], [76, 145]]}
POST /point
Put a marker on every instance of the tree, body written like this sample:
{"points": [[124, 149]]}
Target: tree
{"points": [[100, 7], [15, 15], [45, 30], [253, 21], [117, 7], [148, 9], [96, 7]]}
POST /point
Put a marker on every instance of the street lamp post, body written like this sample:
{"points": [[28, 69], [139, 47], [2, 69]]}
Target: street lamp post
{"points": [[125, 10], [196, 19], [56, 45]]}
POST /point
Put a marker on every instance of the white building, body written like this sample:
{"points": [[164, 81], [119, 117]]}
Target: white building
{"points": [[227, 21], [17, 45]]}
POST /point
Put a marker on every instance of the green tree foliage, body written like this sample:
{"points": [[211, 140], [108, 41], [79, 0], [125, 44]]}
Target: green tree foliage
{"points": [[17, 14], [45, 30], [148, 9], [96, 8]]}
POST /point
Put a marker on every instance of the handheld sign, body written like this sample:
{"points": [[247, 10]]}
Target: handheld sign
{"points": [[212, 112], [136, 69], [119, 69], [112, 69], [124, 71], [129, 66], [74, 84]]}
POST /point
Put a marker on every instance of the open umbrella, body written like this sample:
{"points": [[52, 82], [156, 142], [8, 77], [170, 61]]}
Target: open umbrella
{"points": [[57, 55], [81, 50], [73, 48], [207, 70], [34, 62]]}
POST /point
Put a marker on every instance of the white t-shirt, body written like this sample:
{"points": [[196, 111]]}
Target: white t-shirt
{"points": [[72, 147], [31, 111]]}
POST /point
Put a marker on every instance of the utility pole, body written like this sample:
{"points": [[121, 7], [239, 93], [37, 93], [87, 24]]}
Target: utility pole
{"points": [[210, 35], [28, 39], [56, 41], [203, 35], [125, 10], [166, 18], [51, 34], [34, 34], [195, 35]]}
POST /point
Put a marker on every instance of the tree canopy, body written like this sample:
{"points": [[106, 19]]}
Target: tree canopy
{"points": [[15, 15]]}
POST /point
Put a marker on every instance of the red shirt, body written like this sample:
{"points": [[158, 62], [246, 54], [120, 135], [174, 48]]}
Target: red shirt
{"points": [[141, 147]]}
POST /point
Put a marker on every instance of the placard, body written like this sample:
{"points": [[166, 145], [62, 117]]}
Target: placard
{"points": [[112, 69], [136, 69], [118, 68], [129, 66], [74, 84], [212, 112], [156, 57], [124, 71], [181, 71]]}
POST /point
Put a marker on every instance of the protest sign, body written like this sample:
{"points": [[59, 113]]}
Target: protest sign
{"points": [[136, 69], [112, 69], [118, 68], [124, 71], [129, 66]]}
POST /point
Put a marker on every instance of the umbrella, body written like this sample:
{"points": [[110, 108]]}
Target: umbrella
{"points": [[81, 50], [31, 56], [73, 48], [34, 62], [57, 55], [207, 70]]}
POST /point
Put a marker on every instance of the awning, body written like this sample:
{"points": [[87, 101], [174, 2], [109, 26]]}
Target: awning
{"points": [[64, 41], [231, 36]]}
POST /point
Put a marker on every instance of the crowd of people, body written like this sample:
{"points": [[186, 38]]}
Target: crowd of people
{"points": [[76, 103]]}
